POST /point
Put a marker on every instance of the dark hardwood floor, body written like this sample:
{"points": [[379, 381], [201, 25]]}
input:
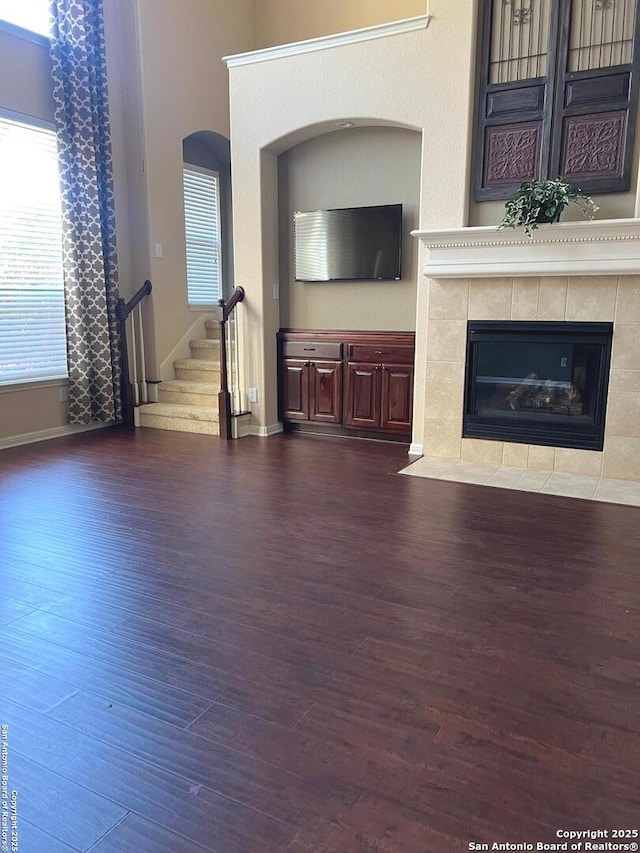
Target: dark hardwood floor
{"points": [[282, 645]]}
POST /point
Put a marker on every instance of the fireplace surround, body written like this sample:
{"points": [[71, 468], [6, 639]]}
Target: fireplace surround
{"points": [[573, 272], [541, 383]]}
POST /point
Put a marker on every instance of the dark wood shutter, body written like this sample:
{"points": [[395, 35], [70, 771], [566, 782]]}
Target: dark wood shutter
{"points": [[558, 93], [596, 94]]}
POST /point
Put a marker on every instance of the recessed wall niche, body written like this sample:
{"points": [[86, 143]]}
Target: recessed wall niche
{"points": [[352, 167]]}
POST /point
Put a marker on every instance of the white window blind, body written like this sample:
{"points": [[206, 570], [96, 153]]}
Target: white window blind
{"points": [[30, 14], [202, 231], [32, 323]]}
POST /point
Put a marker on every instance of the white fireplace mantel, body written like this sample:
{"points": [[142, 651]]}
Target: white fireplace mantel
{"points": [[598, 247]]}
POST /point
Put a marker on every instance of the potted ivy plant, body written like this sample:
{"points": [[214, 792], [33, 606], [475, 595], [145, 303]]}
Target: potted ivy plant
{"points": [[536, 202]]}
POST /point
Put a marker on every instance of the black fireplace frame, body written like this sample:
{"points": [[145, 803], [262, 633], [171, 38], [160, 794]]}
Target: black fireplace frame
{"points": [[530, 431]]}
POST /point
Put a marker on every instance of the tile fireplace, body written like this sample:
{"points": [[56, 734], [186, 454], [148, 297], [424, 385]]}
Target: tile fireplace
{"points": [[559, 406]]}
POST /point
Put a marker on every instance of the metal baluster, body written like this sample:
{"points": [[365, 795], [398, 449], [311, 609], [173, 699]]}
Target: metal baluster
{"points": [[510, 33], [501, 37], [520, 23], [530, 38], [581, 36], [539, 58]]}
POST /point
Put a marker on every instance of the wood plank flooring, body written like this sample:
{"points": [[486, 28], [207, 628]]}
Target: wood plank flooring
{"points": [[282, 646]]}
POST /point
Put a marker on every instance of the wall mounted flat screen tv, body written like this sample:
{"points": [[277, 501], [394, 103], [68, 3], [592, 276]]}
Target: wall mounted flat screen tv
{"points": [[349, 244]]}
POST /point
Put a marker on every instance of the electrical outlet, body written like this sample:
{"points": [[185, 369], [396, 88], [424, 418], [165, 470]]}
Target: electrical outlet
{"points": [[276, 291], [63, 393], [158, 250], [253, 395]]}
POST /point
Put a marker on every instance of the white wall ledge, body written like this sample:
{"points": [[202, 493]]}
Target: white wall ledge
{"points": [[296, 48], [598, 247]]}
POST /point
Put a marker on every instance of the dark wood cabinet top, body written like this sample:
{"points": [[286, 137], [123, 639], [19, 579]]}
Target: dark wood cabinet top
{"points": [[348, 336]]}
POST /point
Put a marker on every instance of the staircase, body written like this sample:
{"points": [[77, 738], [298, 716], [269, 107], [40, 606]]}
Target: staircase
{"points": [[189, 403]]}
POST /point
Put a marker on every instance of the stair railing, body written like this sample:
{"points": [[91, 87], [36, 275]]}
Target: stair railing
{"points": [[133, 371], [224, 396]]}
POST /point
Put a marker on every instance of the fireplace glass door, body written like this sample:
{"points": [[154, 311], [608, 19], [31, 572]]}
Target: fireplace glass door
{"points": [[537, 383]]}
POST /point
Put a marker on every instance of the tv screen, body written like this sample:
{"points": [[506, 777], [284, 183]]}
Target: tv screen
{"points": [[349, 244]]}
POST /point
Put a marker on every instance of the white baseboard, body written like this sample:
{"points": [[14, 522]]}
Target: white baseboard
{"points": [[263, 431], [416, 449], [240, 425], [48, 434]]}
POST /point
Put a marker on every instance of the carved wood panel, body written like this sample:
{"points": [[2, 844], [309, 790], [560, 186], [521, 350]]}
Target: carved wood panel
{"points": [[512, 154], [593, 146]]}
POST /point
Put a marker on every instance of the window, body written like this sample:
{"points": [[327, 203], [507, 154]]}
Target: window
{"points": [[202, 230], [32, 322], [558, 94], [29, 14]]}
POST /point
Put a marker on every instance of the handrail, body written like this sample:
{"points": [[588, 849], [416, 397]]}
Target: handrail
{"points": [[227, 307], [224, 397], [123, 310]]}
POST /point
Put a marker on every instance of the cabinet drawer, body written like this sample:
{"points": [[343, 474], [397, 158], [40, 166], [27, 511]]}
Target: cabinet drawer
{"points": [[312, 350], [394, 353]]}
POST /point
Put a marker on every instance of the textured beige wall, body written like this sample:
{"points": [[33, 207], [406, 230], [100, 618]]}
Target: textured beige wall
{"points": [[182, 88], [349, 168], [402, 80], [31, 409], [283, 21]]}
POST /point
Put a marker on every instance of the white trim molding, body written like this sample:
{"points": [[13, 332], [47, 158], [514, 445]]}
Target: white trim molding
{"points": [[48, 434], [280, 51], [262, 431], [416, 449], [605, 247]]}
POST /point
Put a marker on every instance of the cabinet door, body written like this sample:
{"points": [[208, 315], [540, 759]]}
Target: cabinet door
{"points": [[362, 405], [295, 390], [325, 392], [397, 397]]}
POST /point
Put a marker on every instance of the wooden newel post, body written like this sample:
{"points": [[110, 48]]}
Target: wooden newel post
{"points": [[125, 386], [224, 397]]}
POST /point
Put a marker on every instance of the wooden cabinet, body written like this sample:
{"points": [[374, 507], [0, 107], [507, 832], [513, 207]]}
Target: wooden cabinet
{"points": [[373, 369], [396, 407], [311, 390], [310, 380]]}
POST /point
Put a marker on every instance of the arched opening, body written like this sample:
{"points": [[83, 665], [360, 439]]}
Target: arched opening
{"points": [[356, 166], [208, 223]]}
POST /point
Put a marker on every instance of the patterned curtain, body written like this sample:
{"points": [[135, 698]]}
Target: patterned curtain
{"points": [[88, 220]]}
